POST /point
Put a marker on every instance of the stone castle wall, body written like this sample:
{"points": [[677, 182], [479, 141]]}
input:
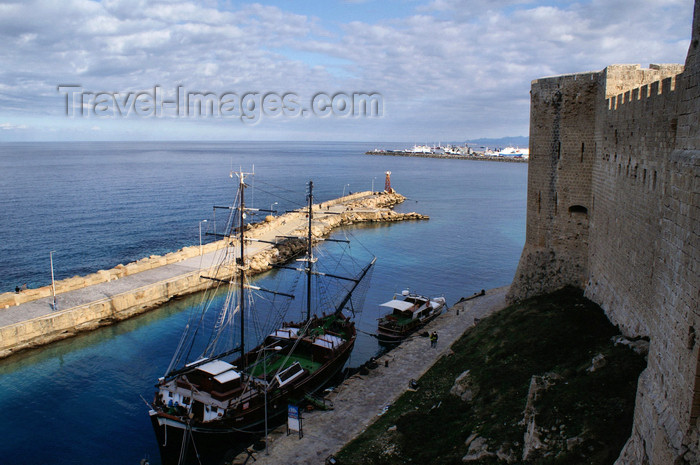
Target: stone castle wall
{"points": [[614, 208], [562, 113]]}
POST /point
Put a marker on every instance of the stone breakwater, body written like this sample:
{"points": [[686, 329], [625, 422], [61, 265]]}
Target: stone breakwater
{"points": [[451, 157], [108, 296]]}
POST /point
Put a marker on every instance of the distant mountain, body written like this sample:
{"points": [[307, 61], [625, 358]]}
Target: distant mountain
{"points": [[515, 141]]}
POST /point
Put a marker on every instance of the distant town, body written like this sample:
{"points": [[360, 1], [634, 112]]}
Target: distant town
{"points": [[465, 151]]}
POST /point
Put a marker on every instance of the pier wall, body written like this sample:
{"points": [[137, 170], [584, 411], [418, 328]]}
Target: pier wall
{"points": [[614, 209], [9, 299], [67, 323], [361, 207]]}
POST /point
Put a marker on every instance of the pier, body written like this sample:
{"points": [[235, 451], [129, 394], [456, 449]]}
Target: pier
{"points": [[448, 156], [28, 319]]}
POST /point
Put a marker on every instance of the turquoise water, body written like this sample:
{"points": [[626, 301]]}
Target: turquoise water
{"points": [[100, 204]]}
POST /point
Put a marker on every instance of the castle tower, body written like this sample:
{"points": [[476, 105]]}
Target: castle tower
{"points": [[688, 136], [562, 150]]}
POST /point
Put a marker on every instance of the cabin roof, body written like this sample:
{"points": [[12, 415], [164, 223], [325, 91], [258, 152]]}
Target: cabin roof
{"points": [[215, 367], [328, 341], [227, 376], [398, 305], [286, 333]]}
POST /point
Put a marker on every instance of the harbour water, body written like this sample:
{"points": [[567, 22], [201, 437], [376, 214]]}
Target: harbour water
{"points": [[100, 204]]}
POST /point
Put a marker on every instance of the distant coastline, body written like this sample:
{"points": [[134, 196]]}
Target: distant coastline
{"points": [[500, 158]]}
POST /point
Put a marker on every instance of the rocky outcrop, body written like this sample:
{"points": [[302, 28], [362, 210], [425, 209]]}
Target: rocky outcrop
{"points": [[478, 449], [533, 446], [639, 346], [464, 387], [597, 363]]}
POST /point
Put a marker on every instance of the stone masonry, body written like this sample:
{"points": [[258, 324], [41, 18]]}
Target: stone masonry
{"points": [[614, 208]]}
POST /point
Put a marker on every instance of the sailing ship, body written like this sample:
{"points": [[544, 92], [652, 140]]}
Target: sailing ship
{"points": [[409, 312], [206, 404]]}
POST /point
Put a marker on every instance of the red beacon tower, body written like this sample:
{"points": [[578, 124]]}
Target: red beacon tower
{"points": [[387, 183]]}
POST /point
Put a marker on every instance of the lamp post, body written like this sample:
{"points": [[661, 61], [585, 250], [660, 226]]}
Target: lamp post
{"points": [[346, 185], [373, 183], [200, 236], [272, 205], [265, 349], [53, 283]]}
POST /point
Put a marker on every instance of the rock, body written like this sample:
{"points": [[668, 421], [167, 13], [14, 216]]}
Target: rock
{"points": [[470, 439], [597, 363], [532, 445], [640, 346], [691, 457], [390, 450], [478, 444], [507, 456], [392, 428], [464, 387], [573, 442], [478, 450]]}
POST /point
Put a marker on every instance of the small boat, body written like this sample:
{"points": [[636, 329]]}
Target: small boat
{"points": [[221, 391], [409, 312], [513, 152]]}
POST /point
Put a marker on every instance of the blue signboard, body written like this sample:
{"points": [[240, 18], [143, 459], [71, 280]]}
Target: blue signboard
{"points": [[293, 411]]}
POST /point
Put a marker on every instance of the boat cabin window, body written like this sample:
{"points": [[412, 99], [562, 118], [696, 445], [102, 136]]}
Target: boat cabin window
{"points": [[289, 374]]}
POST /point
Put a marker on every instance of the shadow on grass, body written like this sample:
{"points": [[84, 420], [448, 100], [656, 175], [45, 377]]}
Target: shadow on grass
{"points": [[558, 334]]}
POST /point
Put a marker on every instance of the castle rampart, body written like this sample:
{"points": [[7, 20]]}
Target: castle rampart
{"points": [[614, 208]]}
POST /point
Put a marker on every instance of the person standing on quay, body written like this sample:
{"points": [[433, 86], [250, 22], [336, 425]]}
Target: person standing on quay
{"points": [[433, 339]]}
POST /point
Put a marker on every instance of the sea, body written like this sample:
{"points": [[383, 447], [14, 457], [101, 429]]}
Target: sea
{"points": [[92, 205]]}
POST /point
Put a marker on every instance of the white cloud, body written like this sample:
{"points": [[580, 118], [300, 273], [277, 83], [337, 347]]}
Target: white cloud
{"points": [[11, 126], [460, 67]]}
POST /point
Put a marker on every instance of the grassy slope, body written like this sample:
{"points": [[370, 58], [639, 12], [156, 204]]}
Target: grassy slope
{"points": [[557, 333]]}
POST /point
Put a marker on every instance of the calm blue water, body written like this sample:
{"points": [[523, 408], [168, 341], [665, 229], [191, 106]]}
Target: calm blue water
{"points": [[100, 204]]}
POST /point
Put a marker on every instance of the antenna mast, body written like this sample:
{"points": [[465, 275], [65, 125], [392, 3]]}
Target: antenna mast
{"points": [[310, 253]]}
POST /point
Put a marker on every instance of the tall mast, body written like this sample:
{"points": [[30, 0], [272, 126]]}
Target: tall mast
{"points": [[241, 267], [310, 252]]}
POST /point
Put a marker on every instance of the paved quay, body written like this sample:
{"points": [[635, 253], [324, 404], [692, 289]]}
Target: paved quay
{"points": [[359, 400], [107, 290]]}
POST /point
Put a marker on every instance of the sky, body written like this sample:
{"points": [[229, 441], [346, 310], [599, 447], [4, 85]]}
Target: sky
{"points": [[321, 70]]}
